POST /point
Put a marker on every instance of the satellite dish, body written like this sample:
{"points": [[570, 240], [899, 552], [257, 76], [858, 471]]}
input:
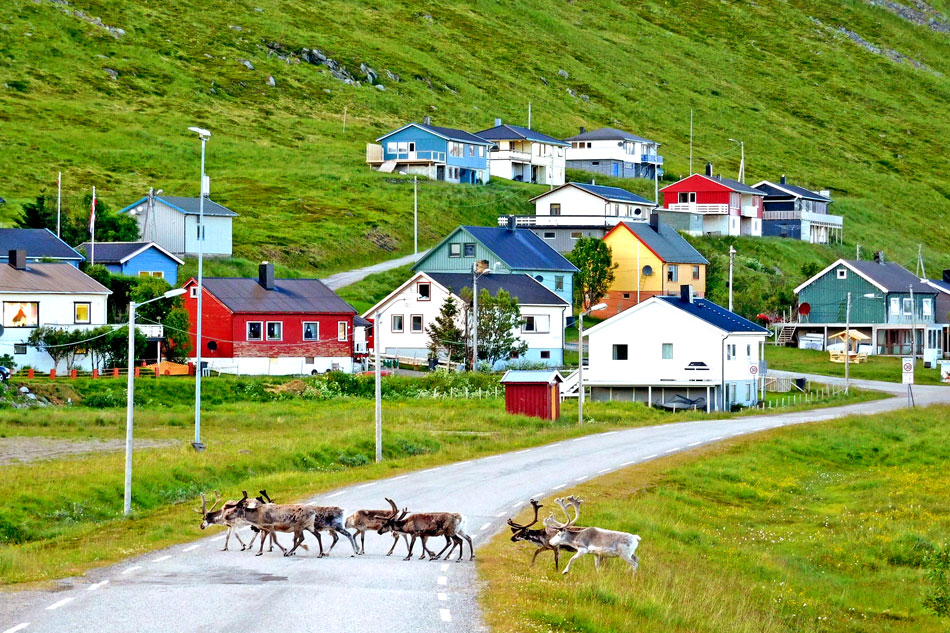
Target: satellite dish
{"points": [[804, 309], [212, 345], [647, 270]]}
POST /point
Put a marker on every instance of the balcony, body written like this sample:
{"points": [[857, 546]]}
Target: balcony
{"points": [[376, 156], [510, 154], [703, 209], [651, 158], [568, 220], [821, 219], [750, 211]]}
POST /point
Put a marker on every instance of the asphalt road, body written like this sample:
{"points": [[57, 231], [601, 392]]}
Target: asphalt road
{"points": [[337, 281], [196, 587]]}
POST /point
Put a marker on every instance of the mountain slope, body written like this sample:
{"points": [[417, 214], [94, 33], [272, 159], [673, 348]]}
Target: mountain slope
{"points": [[799, 82]]}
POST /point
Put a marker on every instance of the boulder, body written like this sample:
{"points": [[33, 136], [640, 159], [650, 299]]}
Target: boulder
{"points": [[562, 74], [380, 87], [270, 80], [112, 72], [393, 76], [247, 64]]}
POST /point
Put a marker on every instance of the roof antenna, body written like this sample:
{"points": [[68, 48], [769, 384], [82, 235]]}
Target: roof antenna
{"points": [[529, 115]]}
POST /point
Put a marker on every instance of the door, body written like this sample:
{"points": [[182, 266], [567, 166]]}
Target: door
{"points": [[440, 172], [615, 170]]}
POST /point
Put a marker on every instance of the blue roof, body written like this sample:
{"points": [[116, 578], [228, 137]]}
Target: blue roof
{"points": [[188, 206], [515, 132], [525, 288], [715, 315], [532, 376], [450, 133], [520, 249], [665, 242], [38, 243], [793, 190], [942, 285], [614, 194]]}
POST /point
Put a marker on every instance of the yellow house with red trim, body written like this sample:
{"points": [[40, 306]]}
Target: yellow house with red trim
{"points": [[652, 259]]}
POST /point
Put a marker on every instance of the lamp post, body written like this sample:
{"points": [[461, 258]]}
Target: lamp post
{"points": [[130, 390], [475, 277], [741, 160], [379, 392], [204, 135], [732, 260], [580, 358]]}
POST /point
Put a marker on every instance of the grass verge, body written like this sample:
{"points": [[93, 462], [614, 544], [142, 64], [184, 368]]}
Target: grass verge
{"points": [[883, 368]]}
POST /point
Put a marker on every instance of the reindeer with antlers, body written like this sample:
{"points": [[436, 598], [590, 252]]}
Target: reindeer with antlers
{"points": [[225, 515], [591, 540], [423, 525], [540, 537]]}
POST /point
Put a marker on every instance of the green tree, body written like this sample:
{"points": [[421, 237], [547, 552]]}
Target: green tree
{"points": [[39, 214], [595, 272], [445, 334], [169, 312], [499, 318]]}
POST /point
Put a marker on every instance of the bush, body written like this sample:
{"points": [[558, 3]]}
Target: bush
{"points": [[937, 598]]}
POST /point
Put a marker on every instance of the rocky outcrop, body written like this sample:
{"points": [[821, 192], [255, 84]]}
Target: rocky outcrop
{"points": [[66, 8]]}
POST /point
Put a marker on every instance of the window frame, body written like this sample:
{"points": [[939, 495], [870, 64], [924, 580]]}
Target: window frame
{"points": [[466, 246], [303, 331], [280, 334], [193, 292], [247, 331], [926, 307], [666, 351], [554, 209], [617, 349], [894, 306], [696, 272], [392, 323], [88, 305], [907, 306], [412, 324], [428, 286], [346, 331], [558, 283], [545, 354], [549, 235], [672, 273], [19, 348], [842, 273], [455, 249]]}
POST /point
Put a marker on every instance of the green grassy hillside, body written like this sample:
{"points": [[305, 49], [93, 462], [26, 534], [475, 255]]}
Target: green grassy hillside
{"points": [[788, 78]]}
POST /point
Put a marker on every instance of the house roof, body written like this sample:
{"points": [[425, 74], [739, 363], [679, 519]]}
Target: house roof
{"points": [[547, 377], [121, 252], [940, 285], [528, 290], [520, 249], [187, 206], [607, 134], [243, 294], [508, 132], [62, 278], [715, 315], [794, 191], [37, 243], [665, 242], [449, 133], [735, 185], [886, 277], [613, 194]]}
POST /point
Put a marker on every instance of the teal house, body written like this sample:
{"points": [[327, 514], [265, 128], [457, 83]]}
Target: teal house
{"points": [[502, 250], [432, 151], [888, 304]]}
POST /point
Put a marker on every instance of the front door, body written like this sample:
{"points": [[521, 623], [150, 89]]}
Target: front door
{"points": [[616, 169], [440, 172]]}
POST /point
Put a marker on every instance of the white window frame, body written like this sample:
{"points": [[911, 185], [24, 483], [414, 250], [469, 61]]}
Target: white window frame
{"points": [[842, 273], [247, 331], [428, 286], [539, 324], [616, 348], [895, 306], [926, 307], [303, 331], [412, 324], [88, 305], [279, 324], [152, 273], [672, 273], [345, 331], [558, 283], [193, 292], [663, 351], [455, 249], [907, 306], [550, 235], [402, 323]]}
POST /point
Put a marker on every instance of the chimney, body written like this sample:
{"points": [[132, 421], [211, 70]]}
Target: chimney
{"points": [[718, 176], [427, 120], [709, 169], [497, 122], [686, 293], [879, 257], [583, 129], [512, 223], [481, 266], [265, 275], [655, 222], [783, 181], [17, 259], [946, 276]]}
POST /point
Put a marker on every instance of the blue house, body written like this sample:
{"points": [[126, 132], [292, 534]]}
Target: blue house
{"points": [[136, 259], [798, 213], [502, 250], [437, 153], [41, 245]]}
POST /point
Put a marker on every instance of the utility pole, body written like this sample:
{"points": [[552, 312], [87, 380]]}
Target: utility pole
{"points": [[847, 345], [203, 135], [732, 259], [415, 217], [59, 199], [913, 321], [529, 115], [379, 399], [344, 119], [857, 251], [474, 317], [690, 140], [921, 272]]}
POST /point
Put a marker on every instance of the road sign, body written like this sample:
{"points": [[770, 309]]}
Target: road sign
{"points": [[907, 367], [945, 371], [753, 369]]}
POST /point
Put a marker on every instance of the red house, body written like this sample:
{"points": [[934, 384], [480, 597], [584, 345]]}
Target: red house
{"points": [[704, 204], [272, 326], [535, 393]]}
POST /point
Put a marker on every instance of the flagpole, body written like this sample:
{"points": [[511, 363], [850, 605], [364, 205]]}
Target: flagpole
{"points": [[59, 197], [92, 230]]}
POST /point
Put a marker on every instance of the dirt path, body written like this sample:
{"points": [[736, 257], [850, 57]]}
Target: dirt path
{"points": [[17, 450]]}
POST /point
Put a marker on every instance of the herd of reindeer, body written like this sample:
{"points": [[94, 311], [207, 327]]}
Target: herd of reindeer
{"points": [[266, 518]]}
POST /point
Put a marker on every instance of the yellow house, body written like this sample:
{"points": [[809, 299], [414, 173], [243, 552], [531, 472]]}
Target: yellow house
{"points": [[652, 259]]}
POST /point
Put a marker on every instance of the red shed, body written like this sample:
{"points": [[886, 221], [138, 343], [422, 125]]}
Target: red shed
{"points": [[534, 393]]}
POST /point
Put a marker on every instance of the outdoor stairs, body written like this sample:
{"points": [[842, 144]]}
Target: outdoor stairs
{"points": [[785, 335], [569, 386]]}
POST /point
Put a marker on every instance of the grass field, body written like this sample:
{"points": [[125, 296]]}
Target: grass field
{"points": [[883, 368], [819, 528]]}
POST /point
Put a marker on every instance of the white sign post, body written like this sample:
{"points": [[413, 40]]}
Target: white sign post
{"points": [[907, 375]]}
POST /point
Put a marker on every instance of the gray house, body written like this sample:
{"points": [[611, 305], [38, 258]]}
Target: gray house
{"points": [[614, 153], [172, 223]]}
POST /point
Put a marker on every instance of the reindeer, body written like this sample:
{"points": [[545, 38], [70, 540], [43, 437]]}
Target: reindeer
{"points": [[591, 540], [364, 520], [423, 525], [224, 516], [541, 538], [296, 518]]}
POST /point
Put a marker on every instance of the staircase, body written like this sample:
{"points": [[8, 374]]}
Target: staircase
{"points": [[785, 335], [569, 387]]}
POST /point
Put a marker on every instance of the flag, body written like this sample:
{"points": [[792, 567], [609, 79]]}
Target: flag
{"points": [[92, 214]]}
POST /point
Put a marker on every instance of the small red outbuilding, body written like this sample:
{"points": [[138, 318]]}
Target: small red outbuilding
{"points": [[534, 393]]}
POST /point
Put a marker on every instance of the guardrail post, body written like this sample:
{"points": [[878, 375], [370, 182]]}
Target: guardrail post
{"points": [[29, 373], [52, 373], [95, 374], [73, 374], [115, 372], [156, 371], [138, 371]]}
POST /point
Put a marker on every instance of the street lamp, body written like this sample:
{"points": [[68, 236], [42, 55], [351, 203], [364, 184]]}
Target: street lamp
{"points": [[580, 358], [379, 393], [741, 160], [475, 277], [130, 390], [732, 261], [415, 215], [204, 135]]}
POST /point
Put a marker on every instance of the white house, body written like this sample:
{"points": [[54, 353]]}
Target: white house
{"points": [[406, 313], [676, 351], [614, 153], [172, 223], [582, 203], [38, 295], [525, 155]]}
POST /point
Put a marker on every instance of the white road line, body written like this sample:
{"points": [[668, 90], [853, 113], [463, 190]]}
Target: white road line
{"points": [[443, 580], [442, 597], [131, 569], [523, 452], [761, 428], [559, 487], [500, 514], [579, 439], [693, 444], [537, 495], [736, 434], [606, 470], [584, 478], [484, 527], [336, 494], [57, 605], [672, 450], [191, 548], [444, 567], [445, 615], [372, 483], [95, 586], [18, 627], [610, 432], [517, 505], [713, 439], [492, 457], [649, 457], [399, 477], [162, 558], [220, 538]]}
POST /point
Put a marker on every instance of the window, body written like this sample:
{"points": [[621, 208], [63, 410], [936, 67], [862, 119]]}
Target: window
{"points": [[748, 351], [842, 273], [341, 330], [540, 323], [695, 272], [558, 282], [193, 292], [576, 235], [895, 306], [908, 306], [412, 146], [19, 348], [927, 308], [397, 323], [730, 352], [672, 273], [152, 273], [275, 331], [481, 151], [391, 147], [626, 295], [555, 209], [549, 235], [424, 290], [415, 323], [471, 150], [748, 391], [21, 313], [455, 249], [255, 331], [546, 355], [469, 249], [667, 351], [595, 162], [620, 352], [456, 149], [311, 331], [81, 312]]}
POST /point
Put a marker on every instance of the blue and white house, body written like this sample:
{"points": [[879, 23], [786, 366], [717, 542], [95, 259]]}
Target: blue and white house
{"points": [[437, 153], [798, 213], [136, 259], [172, 223], [41, 245], [407, 312], [677, 352], [501, 250], [616, 153], [526, 155]]}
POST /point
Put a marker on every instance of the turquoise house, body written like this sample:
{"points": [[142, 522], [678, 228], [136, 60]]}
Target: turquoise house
{"points": [[502, 250], [431, 151]]}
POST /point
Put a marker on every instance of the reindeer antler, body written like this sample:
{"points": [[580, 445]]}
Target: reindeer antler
{"points": [[537, 506], [575, 503], [204, 504], [217, 498], [394, 507], [264, 494]]}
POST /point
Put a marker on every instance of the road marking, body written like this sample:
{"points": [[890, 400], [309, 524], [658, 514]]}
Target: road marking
{"points": [[736, 434], [610, 432], [492, 457], [18, 627], [336, 494], [191, 548], [649, 457], [693, 444], [517, 505], [500, 514], [95, 586], [672, 450], [523, 452], [581, 478], [372, 483], [713, 439], [162, 558], [538, 495], [220, 538], [606, 470], [442, 597], [628, 463], [57, 605], [484, 527], [399, 477], [559, 487], [444, 567], [443, 580], [579, 439], [445, 615], [761, 428], [131, 569]]}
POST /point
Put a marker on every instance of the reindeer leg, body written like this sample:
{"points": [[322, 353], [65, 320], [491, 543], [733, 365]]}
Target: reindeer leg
{"points": [[319, 542], [226, 539], [261, 552], [395, 542], [580, 552], [335, 539], [411, 545], [349, 536], [237, 535], [273, 541], [634, 562], [448, 541], [597, 562], [471, 548], [298, 539], [425, 550], [557, 552], [536, 552]]}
